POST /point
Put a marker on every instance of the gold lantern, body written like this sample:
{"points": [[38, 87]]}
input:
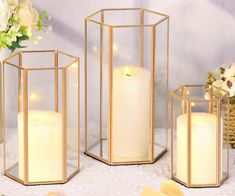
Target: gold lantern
{"points": [[126, 85], [199, 154], [41, 116]]}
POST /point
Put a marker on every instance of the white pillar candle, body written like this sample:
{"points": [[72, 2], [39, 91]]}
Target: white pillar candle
{"points": [[203, 148], [131, 114], [44, 146]]}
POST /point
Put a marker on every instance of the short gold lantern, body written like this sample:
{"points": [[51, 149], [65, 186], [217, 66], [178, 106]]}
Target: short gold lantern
{"points": [[126, 85], [199, 154], [41, 116]]}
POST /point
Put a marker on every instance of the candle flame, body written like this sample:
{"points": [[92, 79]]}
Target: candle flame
{"points": [[33, 97], [193, 104], [74, 65], [127, 71]]}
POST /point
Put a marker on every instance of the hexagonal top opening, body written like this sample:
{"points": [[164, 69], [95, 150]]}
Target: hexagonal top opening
{"points": [[200, 93], [41, 59], [128, 17]]}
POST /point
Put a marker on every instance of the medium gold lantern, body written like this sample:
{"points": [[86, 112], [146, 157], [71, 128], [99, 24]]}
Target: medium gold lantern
{"points": [[41, 116], [199, 154], [126, 85]]}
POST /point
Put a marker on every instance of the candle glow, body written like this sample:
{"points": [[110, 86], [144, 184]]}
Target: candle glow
{"points": [[131, 113]]}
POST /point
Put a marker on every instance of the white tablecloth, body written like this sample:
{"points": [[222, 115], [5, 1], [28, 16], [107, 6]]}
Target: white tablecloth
{"points": [[98, 179]]}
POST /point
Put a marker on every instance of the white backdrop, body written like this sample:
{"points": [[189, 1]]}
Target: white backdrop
{"points": [[202, 33]]}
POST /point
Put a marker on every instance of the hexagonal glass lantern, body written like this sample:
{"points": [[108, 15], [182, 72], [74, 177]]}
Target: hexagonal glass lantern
{"points": [[126, 78], [41, 117], [199, 147]]}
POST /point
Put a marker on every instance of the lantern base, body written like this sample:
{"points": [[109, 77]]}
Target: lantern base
{"points": [[95, 152], [200, 185], [13, 171]]}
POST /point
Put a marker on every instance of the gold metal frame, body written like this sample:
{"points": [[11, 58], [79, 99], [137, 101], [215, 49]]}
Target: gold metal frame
{"points": [[25, 70], [1, 100], [179, 95], [111, 32]]}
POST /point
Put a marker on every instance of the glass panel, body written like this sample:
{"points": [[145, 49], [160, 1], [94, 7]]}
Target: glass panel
{"points": [[105, 93], [13, 80], [179, 139], [195, 92], [14, 60], [151, 18], [98, 88], [225, 127], [126, 46], [122, 17], [160, 86], [72, 88], [131, 99], [38, 60], [96, 17], [44, 128], [63, 60], [93, 89], [116, 17]]}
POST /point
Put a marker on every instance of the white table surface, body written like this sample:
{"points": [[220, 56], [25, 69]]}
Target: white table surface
{"points": [[96, 178]]}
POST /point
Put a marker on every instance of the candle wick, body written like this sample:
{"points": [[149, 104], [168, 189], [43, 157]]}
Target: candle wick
{"points": [[128, 75]]}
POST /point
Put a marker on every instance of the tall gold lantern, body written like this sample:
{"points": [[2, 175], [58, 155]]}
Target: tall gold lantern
{"points": [[199, 155], [41, 116], [126, 85]]}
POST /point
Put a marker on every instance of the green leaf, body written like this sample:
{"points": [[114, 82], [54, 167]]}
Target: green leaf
{"points": [[11, 48], [17, 45], [23, 38]]}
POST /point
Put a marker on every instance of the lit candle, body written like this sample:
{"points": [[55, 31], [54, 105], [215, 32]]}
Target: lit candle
{"points": [[131, 109], [203, 148], [44, 145]]}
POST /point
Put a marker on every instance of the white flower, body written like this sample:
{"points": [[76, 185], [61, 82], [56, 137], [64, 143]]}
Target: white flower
{"points": [[14, 33], [28, 16], [229, 85], [230, 71], [13, 4], [29, 32], [4, 14], [218, 83], [217, 73]]}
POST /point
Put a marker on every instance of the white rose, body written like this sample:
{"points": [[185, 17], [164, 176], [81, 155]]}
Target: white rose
{"points": [[230, 71], [4, 14], [12, 4], [229, 85], [27, 14], [218, 83]]}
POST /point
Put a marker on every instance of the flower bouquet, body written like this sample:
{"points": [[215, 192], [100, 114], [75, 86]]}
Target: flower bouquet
{"points": [[18, 21], [224, 77]]}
